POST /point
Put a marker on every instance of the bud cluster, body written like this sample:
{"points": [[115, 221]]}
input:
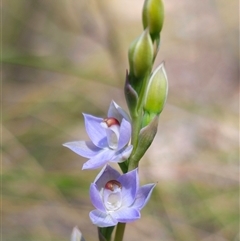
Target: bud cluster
{"points": [[146, 91], [119, 138]]}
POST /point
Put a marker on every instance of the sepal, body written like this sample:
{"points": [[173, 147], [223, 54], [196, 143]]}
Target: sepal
{"points": [[131, 96], [146, 137]]}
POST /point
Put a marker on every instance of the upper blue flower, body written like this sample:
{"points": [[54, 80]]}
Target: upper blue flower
{"points": [[117, 198], [109, 138]]}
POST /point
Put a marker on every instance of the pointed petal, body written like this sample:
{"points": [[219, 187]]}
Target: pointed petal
{"points": [[106, 174], [117, 112], [83, 148], [102, 219], [76, 235], [113, 112], [126, 215], [95, 131], [122, 155], [125, 134], [99, 160], [143, 195], [129, 183], [96, 198]]}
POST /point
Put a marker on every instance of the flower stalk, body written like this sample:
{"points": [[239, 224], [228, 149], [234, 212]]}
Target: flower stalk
{"points": [[120, 231], [124, 139]]}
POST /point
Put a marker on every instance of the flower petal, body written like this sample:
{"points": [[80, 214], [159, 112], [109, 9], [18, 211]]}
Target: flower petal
{"points": [[125, 134], [122, 155], [77, 235], [112, 134], [99, 160], [129, 182], [102, 219], [117, 112], [83, 148], [96, 198], [143, 195], [126, 215], [95, 131], [106, 174]]}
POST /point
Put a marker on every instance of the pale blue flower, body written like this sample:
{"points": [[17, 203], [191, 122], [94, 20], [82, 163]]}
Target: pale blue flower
{"points": [[109, 138], [117, 198]]}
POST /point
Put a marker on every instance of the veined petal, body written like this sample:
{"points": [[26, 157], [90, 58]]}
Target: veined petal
{"points": [[102, 219], [83, 148], [96, 198], [129, 182], [113, 112], [122, 155], [125, 134], [99, 160], [126, 215], [143, 195], [106, 174], [95, 131]]}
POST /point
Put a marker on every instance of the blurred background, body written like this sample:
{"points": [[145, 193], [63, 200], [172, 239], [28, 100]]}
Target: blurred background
{"points": [[64, 57]]}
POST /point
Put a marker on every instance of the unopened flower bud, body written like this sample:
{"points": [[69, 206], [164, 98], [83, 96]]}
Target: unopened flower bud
{"points": [[153, 16], [140, 55], [131, 96], [76, 235], [156, 93]]}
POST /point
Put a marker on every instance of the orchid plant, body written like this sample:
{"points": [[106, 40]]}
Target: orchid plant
{"points": [[122, 138]]}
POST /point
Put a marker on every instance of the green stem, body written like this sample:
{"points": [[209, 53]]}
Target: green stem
{"points": [[119, 232], [105, 233], [123, 166], [137, 121], [157, 39], [136, 125]]}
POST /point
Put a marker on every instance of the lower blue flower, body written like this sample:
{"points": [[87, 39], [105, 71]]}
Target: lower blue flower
{"points": [[117, 198]]}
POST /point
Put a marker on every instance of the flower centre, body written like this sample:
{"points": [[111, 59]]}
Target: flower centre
{"points": [[112, 195], [111, 121], [112, 127]]}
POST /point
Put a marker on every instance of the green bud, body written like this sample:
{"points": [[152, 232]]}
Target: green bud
{"points": [[156, 92], [153, 16], [147, 118], [140, 55]]}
